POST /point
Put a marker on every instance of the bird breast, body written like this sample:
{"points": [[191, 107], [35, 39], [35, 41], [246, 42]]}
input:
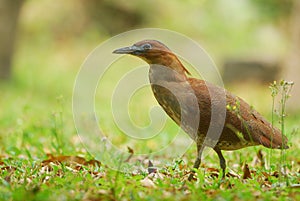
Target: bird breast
{"points": [[179, 101]]}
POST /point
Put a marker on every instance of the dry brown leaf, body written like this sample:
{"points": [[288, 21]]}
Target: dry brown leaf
{"points": [[213, 172], [146, 182], [98, 175], [267, 185], [69, 159], [212, 169], [260, 156], [131, 152], [275, 174], [10, 170], [232, 174], [151, 168], [156, 175], [226, 185], [93, 162], [212, 192], [182, 166], [266, 174], [246, 172]]}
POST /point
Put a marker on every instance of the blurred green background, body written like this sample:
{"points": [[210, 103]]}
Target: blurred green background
{"points": [[44, 42]]}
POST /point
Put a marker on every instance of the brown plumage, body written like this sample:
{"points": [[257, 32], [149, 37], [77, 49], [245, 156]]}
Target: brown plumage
{"points": [[189, 102]]}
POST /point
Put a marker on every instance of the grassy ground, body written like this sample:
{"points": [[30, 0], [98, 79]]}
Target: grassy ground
{"points": [[42, 157], [34, 165]]}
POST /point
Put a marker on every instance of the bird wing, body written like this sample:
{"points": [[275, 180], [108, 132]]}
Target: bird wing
{"points": [[242, 123], [180, 103], [254, 126]]}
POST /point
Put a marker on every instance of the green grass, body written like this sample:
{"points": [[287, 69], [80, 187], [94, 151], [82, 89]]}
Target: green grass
{"points": [[36, 120], [25, 178]]}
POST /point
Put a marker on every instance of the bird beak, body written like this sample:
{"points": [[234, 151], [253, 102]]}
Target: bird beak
{"points": [[127, 50]]}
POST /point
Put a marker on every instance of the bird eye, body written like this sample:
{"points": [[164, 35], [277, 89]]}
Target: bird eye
{"points": [[147, 46]]}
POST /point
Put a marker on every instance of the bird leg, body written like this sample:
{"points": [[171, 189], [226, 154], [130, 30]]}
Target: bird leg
{"points": [[222, 160], [197, 161]]}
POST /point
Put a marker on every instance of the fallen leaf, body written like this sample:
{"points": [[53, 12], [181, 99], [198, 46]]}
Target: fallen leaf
{"points": [[93, 162], [151, 168], [155, 175], [231, 173], [131, 152], [260, 156], [146, 182], [275, 174], [246, 172], [69, 159], [266, 174], [226, 185], [295, 186], [212, 170], [10, 170], [212, 192]]}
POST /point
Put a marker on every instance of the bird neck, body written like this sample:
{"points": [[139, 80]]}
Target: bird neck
{"points": [[167, 69]]}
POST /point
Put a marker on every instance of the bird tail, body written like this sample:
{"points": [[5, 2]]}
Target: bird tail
{"points": [[274, 139]]}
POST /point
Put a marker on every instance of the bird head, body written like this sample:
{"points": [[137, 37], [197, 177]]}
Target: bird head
{"points": [[154, 52], [149, 50]]}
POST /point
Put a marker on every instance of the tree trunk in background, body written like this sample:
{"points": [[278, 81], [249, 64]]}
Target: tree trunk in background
{"points": [[9, 13], [292, 63]]}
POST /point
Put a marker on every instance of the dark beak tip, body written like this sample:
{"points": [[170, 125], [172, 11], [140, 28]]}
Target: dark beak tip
{"points": [[123, 50], [117, 51]]}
